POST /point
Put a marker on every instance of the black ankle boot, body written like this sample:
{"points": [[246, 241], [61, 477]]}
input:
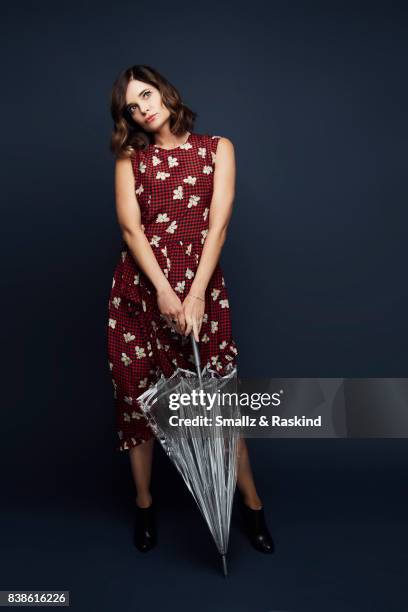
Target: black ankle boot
{"points": [[256, 528], [145, 536]]}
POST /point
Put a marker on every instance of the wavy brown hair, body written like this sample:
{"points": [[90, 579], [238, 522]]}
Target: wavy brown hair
{"points": [[127, 135]]}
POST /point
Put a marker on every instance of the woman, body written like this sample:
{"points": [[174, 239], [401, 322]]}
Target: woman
{"points": [[174, 192]]}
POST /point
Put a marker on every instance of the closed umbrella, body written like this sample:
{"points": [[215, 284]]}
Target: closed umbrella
{"points": [[205, 453]]}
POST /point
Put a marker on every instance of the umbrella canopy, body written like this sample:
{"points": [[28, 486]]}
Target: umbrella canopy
{"points": [[199, 435]]}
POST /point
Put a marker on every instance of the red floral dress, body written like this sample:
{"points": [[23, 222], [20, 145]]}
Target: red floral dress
{"points": [[174, 189]]}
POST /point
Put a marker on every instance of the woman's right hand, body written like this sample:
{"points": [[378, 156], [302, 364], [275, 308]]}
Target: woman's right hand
{"points": [[171, 309]]}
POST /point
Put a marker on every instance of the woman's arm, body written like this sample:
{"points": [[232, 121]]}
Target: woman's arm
{"points": [[220, 214], [129, 219]]}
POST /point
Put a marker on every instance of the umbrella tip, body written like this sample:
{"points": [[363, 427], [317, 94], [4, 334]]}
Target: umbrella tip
{"points": [[224, 565]]}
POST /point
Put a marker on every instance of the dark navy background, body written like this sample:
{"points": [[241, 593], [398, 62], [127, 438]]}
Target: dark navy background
{"points": [[313, 95]]}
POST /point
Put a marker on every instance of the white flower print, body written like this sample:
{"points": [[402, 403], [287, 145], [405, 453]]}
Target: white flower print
{"points": [[172, 227], [180, 286], [113, 282], [186, 145], [205, 213], [224, 303], [215, 362], [178, 193], [204, 235], [144, 305], [136, 279], [164, 251], [189, 273], [155, 240], [156, 160], [166, 272], [193, 201], [129, 337], [228, 357], [126, 417], [207, 169], [191, 180], [215, 293], [123, 255], [162, 217], [142, 383], [214, 326], [223, 282], [128, 399], [223, 344], [188, 249], [233, 349], [205, 338], [159, 344], [162, 175], [205, 317], [120, 434], [202, 151], [110, 365], [112, 323], [139, 190], [142, 167], [172, 161], [140, 352], [137, 415], [116, 301], [168, 263], [175, 362], [126, 359]]}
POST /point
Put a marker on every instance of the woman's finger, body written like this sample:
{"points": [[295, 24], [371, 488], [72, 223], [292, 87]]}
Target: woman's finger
{"points": [[195, 328], [189, 325]]}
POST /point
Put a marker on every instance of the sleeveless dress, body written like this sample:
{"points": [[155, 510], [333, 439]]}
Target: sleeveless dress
{"points": [[174, 189]]}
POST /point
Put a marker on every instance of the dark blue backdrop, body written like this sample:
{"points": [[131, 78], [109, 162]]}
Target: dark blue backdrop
{"points": [[313, 95]]}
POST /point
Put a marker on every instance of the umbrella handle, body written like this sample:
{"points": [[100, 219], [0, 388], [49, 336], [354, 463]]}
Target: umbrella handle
{"points": [[196, 357]]}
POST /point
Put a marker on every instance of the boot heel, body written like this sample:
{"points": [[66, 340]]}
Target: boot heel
{"points": [[145, 533], [256, 528]]}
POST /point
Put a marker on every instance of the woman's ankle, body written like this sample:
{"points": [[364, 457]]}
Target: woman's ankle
{"points": [[144, 500], [255, 503]]}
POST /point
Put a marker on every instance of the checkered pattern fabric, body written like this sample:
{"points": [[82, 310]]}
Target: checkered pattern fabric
{"points": [[174, 190]]}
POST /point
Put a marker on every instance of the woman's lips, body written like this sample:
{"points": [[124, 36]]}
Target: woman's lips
{"points": [[152, 118]]}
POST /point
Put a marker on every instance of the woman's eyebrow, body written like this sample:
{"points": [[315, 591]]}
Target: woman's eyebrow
{"points": [[141, 93]]}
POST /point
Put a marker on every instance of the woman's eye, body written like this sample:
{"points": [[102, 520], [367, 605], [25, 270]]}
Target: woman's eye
{"points": [[146, 92]]}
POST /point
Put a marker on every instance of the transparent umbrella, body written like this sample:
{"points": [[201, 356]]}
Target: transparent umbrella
{"points": [[200, 436]]}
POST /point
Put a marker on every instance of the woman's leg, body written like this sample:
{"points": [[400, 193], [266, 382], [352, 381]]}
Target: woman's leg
{"points": [[141, 464], [245, 480]]}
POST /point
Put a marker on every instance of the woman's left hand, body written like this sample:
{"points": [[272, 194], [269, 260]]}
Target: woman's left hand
{"points": [[193, 314]]}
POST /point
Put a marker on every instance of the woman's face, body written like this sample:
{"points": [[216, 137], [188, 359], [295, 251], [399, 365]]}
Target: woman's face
{"points": [[145, 105]]}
